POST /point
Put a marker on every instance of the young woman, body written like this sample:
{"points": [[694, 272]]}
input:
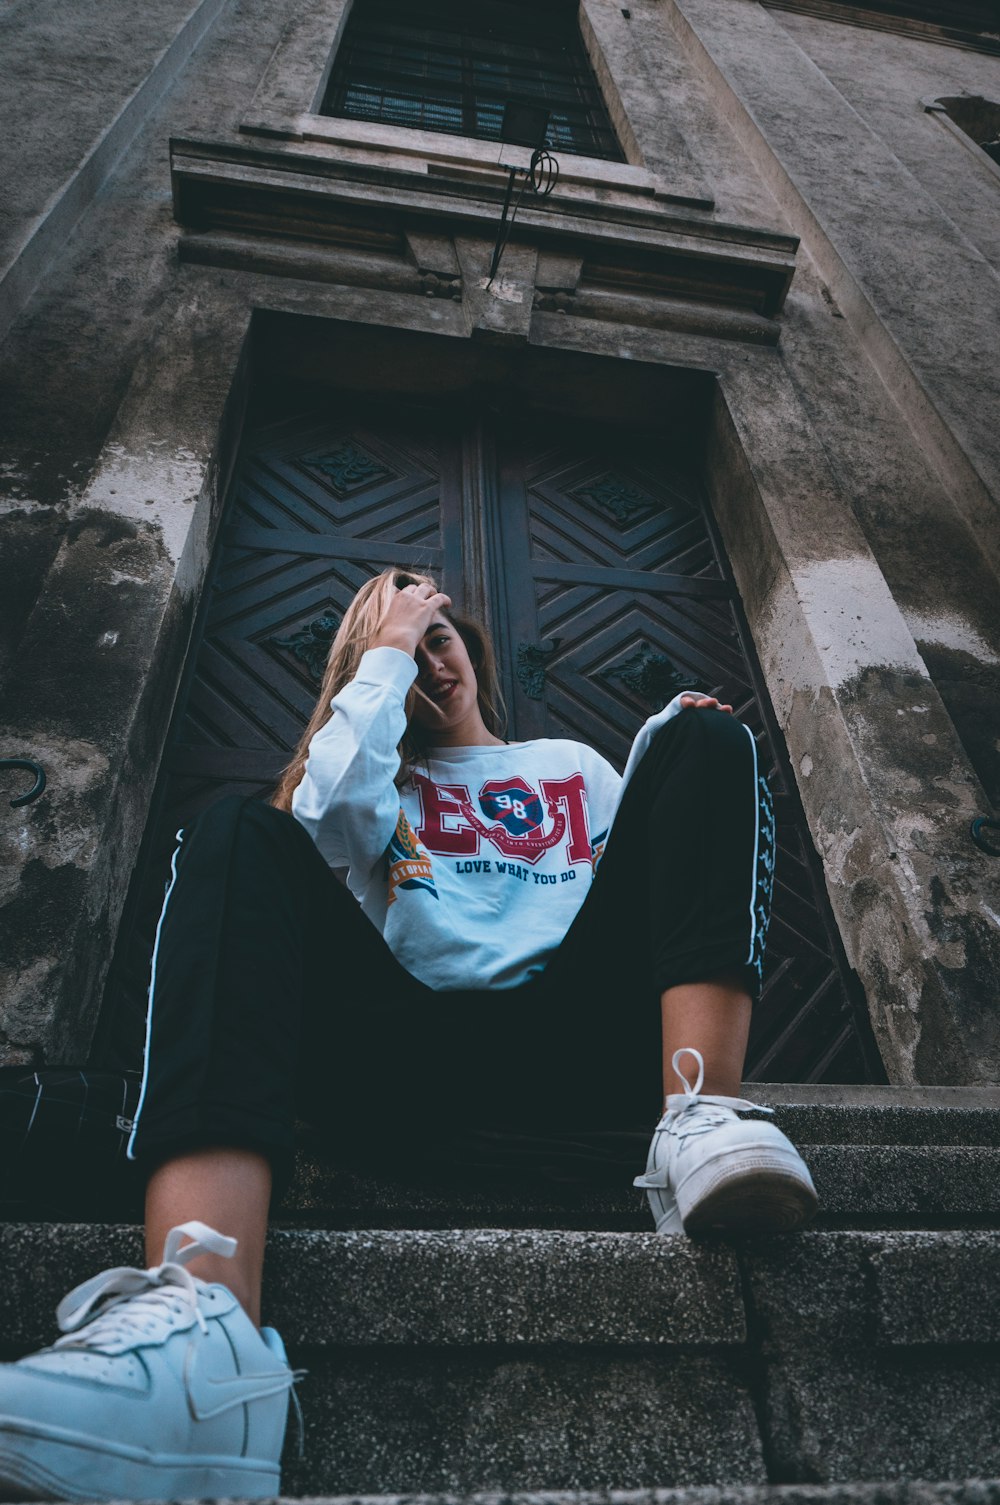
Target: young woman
{"points": [[426, 925]]}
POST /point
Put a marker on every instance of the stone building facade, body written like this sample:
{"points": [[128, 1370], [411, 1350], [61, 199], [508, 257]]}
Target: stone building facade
{"points": [[787, 270]]}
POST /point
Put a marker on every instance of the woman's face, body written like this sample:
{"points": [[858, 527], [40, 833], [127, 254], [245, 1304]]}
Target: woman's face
{"points": [[447, 707]]}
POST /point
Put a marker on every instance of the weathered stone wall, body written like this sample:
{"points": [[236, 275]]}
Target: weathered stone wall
{"points": [[889, 80], [855, 466], [901, 220], [103, 543]]}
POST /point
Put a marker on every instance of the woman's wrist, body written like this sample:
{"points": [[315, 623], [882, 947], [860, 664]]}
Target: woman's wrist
{"points": [[394, 640]]}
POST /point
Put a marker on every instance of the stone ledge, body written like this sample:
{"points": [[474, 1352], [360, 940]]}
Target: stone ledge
{"points": [[881, 1157], [502, 1286], [458, 1419], [516, 1288], [875, 1289], [478, 1287], [860, 1184], [854, 1382], [289, 192], [574, 1186], [941, 1288], [892, 1492], [504, 1360]]}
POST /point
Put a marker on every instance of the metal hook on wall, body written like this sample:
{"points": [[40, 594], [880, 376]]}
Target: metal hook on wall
{"points": [[32, 767], [976, 832]]}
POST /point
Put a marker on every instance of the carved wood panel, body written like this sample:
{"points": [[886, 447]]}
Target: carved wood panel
{"points": [[321, 502], [630, 600]]}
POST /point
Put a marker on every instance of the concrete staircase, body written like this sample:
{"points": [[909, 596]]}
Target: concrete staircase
{"points": [[533, 1335]]}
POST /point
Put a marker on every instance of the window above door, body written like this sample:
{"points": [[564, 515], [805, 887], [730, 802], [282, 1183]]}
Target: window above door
{"points": [[975, 122], [452, 67], [428, 99]]}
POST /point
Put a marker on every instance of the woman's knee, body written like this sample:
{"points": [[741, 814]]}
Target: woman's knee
{"points": [[255, 854], [240, 818], [237, 809], [705, 729]]}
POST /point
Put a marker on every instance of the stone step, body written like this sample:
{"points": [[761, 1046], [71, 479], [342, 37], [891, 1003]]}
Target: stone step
{"points": [[557, 1360], [880, 1156], [859, 1186], [831, 1114], [888, 1492], [891, 1492]]}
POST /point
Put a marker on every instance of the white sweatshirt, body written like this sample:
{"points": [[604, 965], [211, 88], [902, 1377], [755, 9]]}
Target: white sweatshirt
{"points": [[475, 868]]}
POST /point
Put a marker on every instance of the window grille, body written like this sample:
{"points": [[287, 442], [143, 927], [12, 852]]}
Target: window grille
{"points": [[452, 65]]}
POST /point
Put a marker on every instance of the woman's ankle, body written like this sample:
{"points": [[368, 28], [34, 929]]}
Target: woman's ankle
{"points": [[230, 1190]]}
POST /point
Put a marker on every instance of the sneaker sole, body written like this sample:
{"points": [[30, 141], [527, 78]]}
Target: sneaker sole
{"points": [[763, 1193], [37, 1463]]}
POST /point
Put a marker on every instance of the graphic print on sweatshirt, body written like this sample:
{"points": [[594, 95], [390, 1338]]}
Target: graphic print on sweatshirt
{"points": [[408, 866], [508, 815]]}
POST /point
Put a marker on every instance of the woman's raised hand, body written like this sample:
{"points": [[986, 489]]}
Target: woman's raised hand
{"points": [[411, 611], [703, 703]]}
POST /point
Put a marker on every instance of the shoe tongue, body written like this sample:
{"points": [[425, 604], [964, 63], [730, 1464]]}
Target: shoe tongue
{"points": [[687, 1103], [716, 1112]]}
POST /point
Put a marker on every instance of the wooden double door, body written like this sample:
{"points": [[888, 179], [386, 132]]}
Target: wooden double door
{"points": [[589, 552]]}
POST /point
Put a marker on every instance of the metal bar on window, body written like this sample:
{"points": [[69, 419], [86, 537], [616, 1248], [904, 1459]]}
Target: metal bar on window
{"points": [[457, 68]]}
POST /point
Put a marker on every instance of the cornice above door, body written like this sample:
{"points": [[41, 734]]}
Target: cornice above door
{"points": [[293, 211]]}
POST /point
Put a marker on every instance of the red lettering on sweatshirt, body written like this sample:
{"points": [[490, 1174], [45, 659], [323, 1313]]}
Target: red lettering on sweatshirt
{"points": [[450, 825], [571, 795], [443, 827]]}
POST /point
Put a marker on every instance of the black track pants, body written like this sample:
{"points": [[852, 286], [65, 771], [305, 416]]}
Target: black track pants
{"points": [[274, 997]]}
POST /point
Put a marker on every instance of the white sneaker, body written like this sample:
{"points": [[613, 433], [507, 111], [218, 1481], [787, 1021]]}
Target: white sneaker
{"points": [[709, 1169], [162, 1389]]}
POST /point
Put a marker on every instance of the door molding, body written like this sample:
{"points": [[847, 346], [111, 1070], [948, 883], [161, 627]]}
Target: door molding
{"points": [[905, 891]]}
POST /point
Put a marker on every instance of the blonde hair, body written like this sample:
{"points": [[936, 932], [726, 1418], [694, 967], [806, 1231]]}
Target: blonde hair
{"points": [[359, 626]]}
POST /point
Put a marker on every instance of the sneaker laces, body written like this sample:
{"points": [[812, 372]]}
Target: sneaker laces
{"points": [[693, 1112], [300, 1421], [122, 1305], [685, 1113]]}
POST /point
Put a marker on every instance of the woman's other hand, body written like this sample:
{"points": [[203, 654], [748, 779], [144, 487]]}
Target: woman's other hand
{"points": [[703, 703], [411, 611]]}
